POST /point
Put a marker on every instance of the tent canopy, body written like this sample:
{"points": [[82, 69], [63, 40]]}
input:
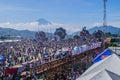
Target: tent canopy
{"points": [[105, 75], [107, 64]]}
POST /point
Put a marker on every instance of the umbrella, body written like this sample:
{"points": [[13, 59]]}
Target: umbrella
{"points": [[63, 53], [76, 48], [2, 58]]}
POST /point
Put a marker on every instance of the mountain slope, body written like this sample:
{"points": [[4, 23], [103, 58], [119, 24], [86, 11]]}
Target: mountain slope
{"points": [[23, 33], [111, 29], [31, 34], [13, 32]]}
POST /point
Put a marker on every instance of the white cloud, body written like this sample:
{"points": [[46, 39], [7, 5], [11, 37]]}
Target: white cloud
{"points": [[116, 24], [34, 26], [97, 24]]}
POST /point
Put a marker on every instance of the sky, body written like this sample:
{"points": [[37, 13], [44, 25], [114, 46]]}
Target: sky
{"points": [[73, 15]]}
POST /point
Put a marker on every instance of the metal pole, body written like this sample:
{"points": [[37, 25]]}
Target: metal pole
{"points": [[104, 18]]}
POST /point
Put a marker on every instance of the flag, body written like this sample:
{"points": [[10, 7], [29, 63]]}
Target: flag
{"points": [[102, 55]]}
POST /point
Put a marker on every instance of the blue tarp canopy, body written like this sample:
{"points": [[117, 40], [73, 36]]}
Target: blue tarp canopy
{"points": [[2, 58], [102, 55]]}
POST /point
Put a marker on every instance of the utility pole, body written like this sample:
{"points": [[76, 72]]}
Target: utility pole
{"points": [[104, 17]]}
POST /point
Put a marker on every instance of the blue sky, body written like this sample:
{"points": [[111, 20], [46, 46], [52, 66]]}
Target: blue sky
{"points": [[71, 12]]}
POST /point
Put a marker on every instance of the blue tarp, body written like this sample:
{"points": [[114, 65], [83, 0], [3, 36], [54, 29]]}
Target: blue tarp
{"points": [[2, 58], [102, 55]]}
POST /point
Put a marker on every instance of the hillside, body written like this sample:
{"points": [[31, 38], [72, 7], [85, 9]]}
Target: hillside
{"points": [[111, 29]]}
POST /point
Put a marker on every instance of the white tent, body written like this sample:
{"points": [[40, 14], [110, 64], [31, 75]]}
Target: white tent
{"points": [[105, 75], [100, 69], [115, 49]]}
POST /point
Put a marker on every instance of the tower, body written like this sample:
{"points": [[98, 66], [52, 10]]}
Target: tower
{"points": [[104, 17]]}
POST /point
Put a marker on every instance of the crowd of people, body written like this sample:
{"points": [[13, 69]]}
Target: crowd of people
{"points": [[31, 53]]}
